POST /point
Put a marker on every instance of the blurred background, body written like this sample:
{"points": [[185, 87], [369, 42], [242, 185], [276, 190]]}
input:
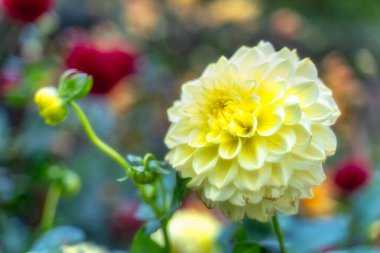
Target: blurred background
{"points": [[139, 52]]}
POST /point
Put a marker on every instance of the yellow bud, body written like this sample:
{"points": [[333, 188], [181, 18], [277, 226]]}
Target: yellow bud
{"points": [[51, 107]]}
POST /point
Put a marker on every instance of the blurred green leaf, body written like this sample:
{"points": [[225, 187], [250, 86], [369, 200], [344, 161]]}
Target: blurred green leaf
{"points": [[247, 247], [57, 237], [143, 243]]}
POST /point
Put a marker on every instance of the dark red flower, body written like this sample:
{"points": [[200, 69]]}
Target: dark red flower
{"points": [[26, 11], [351, 174], [124, 222], [106, 67]]}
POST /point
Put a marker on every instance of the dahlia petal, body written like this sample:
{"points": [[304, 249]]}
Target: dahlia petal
{"points": [[325, 137], [229, 149], [219, 194], [263, 176], [181, 154], [246, 68], [271, 90], [270, 120], [307, 92], [306, 68], [303, 179], [282, 142], [303, 136], [266, 48], [225, 171], [174, 112], [205, 159], [283, 69], [180, 131], [256, 197], [231, 211], [318, 112], [280, 175], [240, 53], [253, 153], [239, 199], [197, 138]]}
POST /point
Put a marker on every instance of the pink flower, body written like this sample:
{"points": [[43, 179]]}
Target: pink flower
{"points": [[26, 11], [351, 174], [107, 67]]}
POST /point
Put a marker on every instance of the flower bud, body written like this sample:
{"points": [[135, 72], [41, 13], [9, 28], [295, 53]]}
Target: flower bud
{"points": [[144, 177], [70, 183], [51, 106]]}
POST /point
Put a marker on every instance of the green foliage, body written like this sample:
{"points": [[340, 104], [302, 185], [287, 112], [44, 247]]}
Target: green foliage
{"points": [[143, 243], [248, 247]]}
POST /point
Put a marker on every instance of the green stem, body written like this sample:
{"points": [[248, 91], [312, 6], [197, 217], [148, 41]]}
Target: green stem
{"points": [[278, 232], [97, 141], [50, 207], [164, 225]]}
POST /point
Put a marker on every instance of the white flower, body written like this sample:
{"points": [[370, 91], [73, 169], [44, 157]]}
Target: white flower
{"points": [[253, 131]]}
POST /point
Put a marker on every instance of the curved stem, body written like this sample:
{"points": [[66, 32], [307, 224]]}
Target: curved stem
{"points": [[278, 232], [97, 141], [164, 225], [50, 207]]}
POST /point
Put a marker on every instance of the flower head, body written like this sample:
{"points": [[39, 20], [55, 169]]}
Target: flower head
{"points": [[51, 106], [26, 11], [107, 67], [192, 231], [252, 132], [351, 174]]}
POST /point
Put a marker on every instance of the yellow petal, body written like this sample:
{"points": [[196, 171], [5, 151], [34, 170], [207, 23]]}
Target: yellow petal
{"points": [[181, 154], [229, 149], [303, 136], [271, 90], [280, 175], [283, 69], [218, 194], [307, 92], [225, 171], [253, 153], [197, 138], [264, 174], [306, 68], [281, 142], [307, 178], [270, 120], [324, 136], [180, 131], [293, 112], [205, 159], [318, 112]]}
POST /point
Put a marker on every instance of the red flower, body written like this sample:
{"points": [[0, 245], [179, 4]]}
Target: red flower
{"points": [[351, 174], [124, 223], [26, 11], [106, 67]]}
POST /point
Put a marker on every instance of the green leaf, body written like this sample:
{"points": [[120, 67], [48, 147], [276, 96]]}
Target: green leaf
{"points": [[74, 85], [143, 243], [248, 247]]}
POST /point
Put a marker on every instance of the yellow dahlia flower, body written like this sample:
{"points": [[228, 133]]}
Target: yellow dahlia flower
{"points": [[191, 231], [253, 131]]}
